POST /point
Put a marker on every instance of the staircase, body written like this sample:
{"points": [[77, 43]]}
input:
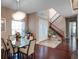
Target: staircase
{"points": [[52, 20], [54, 27]]}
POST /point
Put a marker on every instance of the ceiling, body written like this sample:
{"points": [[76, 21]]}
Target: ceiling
{"points": [[29, 6]]}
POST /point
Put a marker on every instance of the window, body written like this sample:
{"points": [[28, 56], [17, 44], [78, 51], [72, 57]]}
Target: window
{"points": [[18, 26]]}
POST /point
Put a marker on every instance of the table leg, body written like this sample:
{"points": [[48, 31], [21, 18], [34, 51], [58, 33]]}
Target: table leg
{"points": [[18, 53]]}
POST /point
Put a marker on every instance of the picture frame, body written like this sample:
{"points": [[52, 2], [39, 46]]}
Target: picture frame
{"points": [[3, 24]]}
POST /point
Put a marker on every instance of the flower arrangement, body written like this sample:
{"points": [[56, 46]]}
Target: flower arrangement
{"points": [[18, 36], [31, 37]]}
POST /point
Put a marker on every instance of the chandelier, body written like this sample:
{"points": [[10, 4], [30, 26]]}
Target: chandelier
{"points": [[18, 15]]}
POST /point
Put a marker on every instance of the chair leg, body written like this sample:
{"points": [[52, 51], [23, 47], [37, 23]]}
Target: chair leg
{"points": [[7, 54], [13, 56], [31, 56], [34, 55], [19, 55], [2, 54], [23, 56], [27, 57]]}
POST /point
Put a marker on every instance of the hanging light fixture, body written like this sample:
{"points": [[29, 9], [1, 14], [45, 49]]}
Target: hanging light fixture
{"points": [[18, 15]]}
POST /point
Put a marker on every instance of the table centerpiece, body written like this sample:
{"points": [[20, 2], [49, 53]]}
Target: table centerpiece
{"points": [[18, 36]]}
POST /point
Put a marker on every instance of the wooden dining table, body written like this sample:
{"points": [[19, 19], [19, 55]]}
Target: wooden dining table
{"points": [[20, 44]]}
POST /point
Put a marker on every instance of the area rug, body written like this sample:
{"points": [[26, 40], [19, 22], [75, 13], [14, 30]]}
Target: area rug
{"points": [[50, 43]]}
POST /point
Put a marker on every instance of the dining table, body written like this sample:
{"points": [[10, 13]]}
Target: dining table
{"points": [[20, 44]]}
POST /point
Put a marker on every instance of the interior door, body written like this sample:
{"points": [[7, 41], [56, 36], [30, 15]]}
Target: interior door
{"points": [[72, 35]]}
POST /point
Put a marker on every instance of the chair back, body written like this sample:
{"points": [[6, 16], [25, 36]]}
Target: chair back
{"points": [[10, 46], [11, 37], [31, 47], [3, 44]]}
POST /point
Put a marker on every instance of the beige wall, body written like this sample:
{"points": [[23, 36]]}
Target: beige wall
{"points": [[34, 26], [7, 14]]}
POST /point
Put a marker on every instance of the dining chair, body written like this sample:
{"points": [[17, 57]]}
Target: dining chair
{"points": [[13, 50], [11, 37], [29, 50], [23, 50], [4, 48], [6, 43]]}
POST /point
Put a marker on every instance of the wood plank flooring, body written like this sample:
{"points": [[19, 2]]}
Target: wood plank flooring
{"points": [[61, 52]]}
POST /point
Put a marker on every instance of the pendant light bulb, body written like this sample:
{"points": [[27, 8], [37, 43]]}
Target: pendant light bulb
{"points": [[19, 15]]}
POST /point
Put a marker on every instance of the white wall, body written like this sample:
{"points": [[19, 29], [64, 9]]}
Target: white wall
{"points": [[43, 29]]}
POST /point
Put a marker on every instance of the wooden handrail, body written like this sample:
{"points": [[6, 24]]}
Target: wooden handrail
{"points": [[56, 19], [52, 17]]}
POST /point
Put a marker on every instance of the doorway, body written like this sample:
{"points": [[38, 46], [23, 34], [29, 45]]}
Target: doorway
{"points": [[73, 36]]}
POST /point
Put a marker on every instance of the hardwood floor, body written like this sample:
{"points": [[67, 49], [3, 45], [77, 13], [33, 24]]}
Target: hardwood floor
{"points": [[61, 52]]}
